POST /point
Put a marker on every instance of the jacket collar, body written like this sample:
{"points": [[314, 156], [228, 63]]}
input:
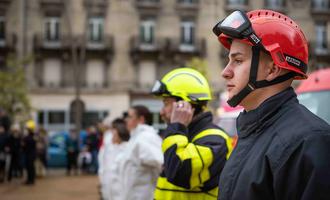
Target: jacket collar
{"points": [[139, 128], [256, 120], [198, 123]]}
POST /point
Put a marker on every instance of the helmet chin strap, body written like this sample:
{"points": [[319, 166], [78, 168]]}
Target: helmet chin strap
{"points": [[253, 83]]}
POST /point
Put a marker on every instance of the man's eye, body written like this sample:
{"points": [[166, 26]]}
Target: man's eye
{"points": [[238, 62]]}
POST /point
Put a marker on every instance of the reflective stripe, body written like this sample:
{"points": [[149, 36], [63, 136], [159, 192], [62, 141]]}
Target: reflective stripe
{"points": [[208, 132], [190, 152], [162, 183], [180, 140], [201, 159], [207, 159], [167, 191], [196, 166]]}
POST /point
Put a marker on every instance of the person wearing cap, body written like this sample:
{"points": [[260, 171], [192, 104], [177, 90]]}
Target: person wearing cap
{"points": [[283, 149], [195, 149], [30, 152]]}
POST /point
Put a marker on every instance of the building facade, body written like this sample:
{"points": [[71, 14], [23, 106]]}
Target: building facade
{"points": [[110, 52]]}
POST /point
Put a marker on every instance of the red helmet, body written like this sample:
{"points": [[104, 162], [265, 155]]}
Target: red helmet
{"points": [[281, 37]]}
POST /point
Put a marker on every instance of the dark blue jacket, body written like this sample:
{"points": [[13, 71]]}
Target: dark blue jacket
{"points": [[283, 153]]}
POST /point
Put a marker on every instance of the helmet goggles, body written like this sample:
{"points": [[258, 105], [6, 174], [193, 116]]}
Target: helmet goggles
{"points": [[159, 89], [237, 25]]}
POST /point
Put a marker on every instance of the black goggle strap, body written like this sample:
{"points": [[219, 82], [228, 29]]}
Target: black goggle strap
{"points": [[254, 65], [265, 83], [236, 99]]}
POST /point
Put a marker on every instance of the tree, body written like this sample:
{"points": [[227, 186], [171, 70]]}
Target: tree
{"points": [[13, 89], [198, 64]]}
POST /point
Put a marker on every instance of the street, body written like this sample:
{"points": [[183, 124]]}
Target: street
{"points": [[53, 187]]}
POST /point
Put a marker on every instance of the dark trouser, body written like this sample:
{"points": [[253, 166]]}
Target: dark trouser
{"points": [[72, 161], [94, 166], [42, 156], [2, 170], [31, 171], [15, 168]]}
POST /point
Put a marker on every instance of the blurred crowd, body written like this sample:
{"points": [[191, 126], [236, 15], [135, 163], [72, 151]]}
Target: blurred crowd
{"points": [[130, 157], [22, 150], [110, 149]]}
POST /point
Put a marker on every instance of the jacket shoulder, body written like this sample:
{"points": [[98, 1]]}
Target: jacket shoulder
{"points": [[297, 122], [295, 126]]}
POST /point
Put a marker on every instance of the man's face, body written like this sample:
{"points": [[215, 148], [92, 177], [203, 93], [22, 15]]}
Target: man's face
{"points": [[166, 110], [237, 70]]}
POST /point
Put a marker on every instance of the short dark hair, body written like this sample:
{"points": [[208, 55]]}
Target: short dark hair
{"points": [[142, 111], [120, 125]]}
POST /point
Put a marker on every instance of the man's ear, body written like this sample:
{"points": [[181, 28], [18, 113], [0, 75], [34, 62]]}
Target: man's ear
{"points": [[273, 71]]}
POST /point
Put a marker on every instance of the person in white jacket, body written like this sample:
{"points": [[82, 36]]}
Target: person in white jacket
{"points": [[112, 150], [142, 161]]}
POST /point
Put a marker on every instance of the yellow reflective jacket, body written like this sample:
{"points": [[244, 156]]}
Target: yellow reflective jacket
{"points": [[193, 160]]}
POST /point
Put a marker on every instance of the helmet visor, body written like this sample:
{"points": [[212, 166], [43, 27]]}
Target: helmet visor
{"points": [[237, 25], [159, 89]]}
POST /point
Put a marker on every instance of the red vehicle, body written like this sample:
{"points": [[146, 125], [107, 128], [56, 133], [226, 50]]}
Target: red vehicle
{"points": [[314, 93], [227, 117]]}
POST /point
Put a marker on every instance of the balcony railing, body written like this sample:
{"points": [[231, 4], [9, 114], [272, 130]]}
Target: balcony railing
{"points": [[40, 42], [65, 41], [277, 5], [52, 7], [320, 7], [236, 4], [198, 47], [8, 42], [184, 4], [138, 45], [319, 50], [147, 4], [4, 4], [140, 49], [96, 7], [105, 43]]}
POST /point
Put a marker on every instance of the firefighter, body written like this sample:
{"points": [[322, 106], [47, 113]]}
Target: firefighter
{"points": [[195, 150], [283, 149]]}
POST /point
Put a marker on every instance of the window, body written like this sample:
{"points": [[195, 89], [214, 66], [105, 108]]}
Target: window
{"points": [[187, 1], [41, 116], [52, 29], [320, 4], [90, 118], [56, 117], [274, 3], [2, 30], [95, 29], [237, 2], [95, 73], [321, 36], [152, 1], [147, 28], [52, 72], [187, 32]]}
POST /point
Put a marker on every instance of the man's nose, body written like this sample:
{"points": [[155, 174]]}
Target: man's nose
{"points": [[227, 72]]}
